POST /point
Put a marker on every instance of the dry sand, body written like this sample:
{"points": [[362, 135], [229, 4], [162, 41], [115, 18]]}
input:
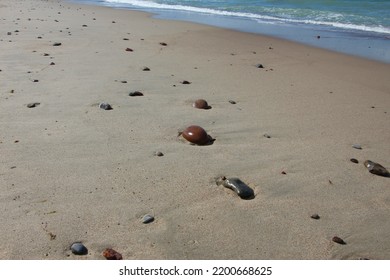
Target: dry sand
{"points": [[73, 172]]}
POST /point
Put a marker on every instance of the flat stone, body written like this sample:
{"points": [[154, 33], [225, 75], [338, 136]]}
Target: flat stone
{"points": [[185, 82], [232, 102], [33, 105], [357, 146], [78, 248], [57, 44], [315, 216], [239, 187], [147, 219], [136, 93], [146, 69], [376, 168], [267, 135], [129, 50]]}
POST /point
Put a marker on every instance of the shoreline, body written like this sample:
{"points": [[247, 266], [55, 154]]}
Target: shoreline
{"points": [[72, 172], [362, 45]]}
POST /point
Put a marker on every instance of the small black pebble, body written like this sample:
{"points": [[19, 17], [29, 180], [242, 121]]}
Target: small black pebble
{"points": [[105, 106], [185, 82], [159, 154], [57, 44], [163, 44], [267, 136], [232, 102], [136, 93], [147, 219], [33, 105], [146, 69], [259, 66], [315, 216], [354, 160]]}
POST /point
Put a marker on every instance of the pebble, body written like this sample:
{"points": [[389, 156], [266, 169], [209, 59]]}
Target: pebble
{"points": [[79, 249], [267, 135], [185, 82], [232, 102], [357, 146], [376, 168], [354, 160], [136, 93], [57, 44], [201, 104], [52, 63], [147, 219], [129, 50], [196, 135], [159, 154], [33, 105], [163, 44], [105, 106], [111, 254], [338, 240], [259, 66], [238, 186], [315, 216], [146, 69], [35, 81]]}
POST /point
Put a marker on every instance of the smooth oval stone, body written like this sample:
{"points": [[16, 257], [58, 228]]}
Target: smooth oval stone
{"points": [[105, 106], [376, 168], [196, 135], [242, 189], [201, 104], [232, 102], [147, 219], [185, 82], [78, 248], [354, 160], [57, 44], [136, 93], [159, 154], [357, 146], [315, 216], [338, 240]]}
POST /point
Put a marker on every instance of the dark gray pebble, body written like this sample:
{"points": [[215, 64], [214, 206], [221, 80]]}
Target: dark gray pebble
{"points": [[259, 66], [159, 154], [185, 82], [136, 93], [267, 135], [147, 219], [129, 50], [35, 81], [376, 168], [357, 146], [238, 186], [124, 82], [57, 44], [146, 69], [315, 216], [163, 44], [354, 160], [78, 248], [52, 63], [232, 102], [33, 105], [105, 106]]}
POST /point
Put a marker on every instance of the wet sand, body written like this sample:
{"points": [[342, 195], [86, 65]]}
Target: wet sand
{"points": [[71, 171]]}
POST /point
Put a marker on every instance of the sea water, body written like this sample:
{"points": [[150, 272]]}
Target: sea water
{"points": [[355, 27]]}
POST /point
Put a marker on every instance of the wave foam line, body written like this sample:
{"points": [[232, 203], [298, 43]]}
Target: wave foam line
{"points": [[260, 18]]}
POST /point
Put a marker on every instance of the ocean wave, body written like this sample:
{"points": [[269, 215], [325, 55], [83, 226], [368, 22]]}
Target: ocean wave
{"points": [[321, 18]]}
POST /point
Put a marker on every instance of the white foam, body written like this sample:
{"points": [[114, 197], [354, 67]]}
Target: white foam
{"points": [[257, 17]]}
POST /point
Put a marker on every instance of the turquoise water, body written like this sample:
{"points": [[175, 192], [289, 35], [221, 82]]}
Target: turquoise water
{"points": [[353, 26]]}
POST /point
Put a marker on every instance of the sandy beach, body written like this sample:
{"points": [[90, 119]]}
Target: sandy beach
{"points": [[73, 172]]}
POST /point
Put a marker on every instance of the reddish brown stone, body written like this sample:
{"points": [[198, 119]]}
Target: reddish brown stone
{"points": [[111, 254]]}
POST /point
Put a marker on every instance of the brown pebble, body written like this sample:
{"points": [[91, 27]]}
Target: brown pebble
{"points": [[201, 104], [129, 50], [111, 254], [284, 172], [163, 44], [196, 135], [338, 240], [354, 160]]}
